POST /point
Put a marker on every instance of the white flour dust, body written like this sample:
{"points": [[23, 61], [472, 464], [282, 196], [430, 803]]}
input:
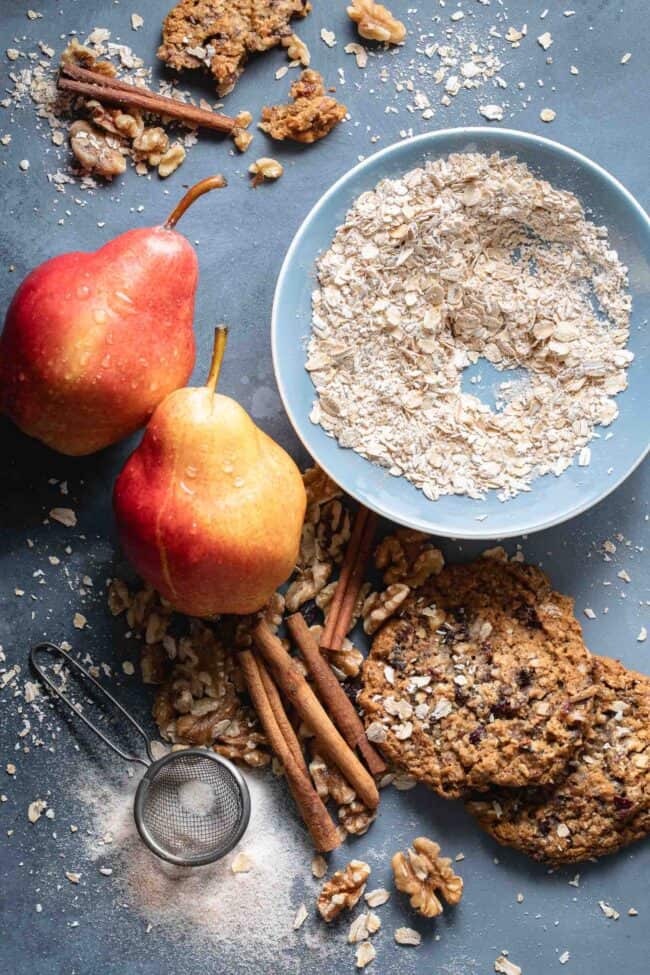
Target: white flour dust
{"points": [[250, 911]]}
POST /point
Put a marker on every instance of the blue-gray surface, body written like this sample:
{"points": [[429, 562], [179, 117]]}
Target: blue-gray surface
{"points": [[242, 237]]}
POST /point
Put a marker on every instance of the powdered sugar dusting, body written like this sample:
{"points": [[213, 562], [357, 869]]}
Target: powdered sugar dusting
{"points": [[251, 911]]}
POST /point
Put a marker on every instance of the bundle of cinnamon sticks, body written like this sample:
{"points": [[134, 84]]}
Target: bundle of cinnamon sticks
{"points": [[270, 673]]}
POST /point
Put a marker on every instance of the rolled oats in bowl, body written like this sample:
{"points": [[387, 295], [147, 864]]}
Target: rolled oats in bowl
{"points": [[468, 258]]}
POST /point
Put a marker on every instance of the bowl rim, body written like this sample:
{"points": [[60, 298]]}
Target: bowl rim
{"points": [[433, 527]]}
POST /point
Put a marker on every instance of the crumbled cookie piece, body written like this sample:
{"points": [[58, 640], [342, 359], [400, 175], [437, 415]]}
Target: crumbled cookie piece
{"points": [[265, 168], [484, 678], [219, 35], [375, 22], [311, 116], [297, 50], [422, 874], [343, 890], [603, 803], [95, 150]]}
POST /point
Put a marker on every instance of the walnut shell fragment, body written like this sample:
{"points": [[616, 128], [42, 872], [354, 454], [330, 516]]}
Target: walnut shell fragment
{"points": [[422, 873]]}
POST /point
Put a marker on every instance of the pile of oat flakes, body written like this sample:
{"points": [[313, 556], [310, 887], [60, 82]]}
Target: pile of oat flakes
{"points": [[469, 256]]}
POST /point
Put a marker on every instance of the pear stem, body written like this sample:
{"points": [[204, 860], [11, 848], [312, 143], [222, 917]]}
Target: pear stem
{"points": [[220, 339], [194, 192]]}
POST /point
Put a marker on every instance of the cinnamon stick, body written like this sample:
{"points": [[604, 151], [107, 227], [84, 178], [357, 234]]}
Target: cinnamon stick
{"points": [[312, 809], [344, 577], [331, 744], [351, 579], [281, 718], [92, 84], [340, 707]]}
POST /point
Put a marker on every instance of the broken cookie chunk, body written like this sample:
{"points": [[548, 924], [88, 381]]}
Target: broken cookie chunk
{"points": [[311, 116], [219, 35]]}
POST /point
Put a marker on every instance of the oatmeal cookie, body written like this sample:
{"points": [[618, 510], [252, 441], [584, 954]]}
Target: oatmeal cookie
{"points": [[484, 679], [603, 803], [311, 115], [219, 35]]}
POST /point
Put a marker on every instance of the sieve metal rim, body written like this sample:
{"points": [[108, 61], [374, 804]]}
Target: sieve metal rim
{"points": [[196, 860]]}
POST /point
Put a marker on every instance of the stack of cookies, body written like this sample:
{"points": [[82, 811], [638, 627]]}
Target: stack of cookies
{"points": [[484, 690]]}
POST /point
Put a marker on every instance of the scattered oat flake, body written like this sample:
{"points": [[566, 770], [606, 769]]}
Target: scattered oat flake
{"points": [[36, 809], [626, 57], [608, 910], [504, 966], [377, 897], [360, 53], [520, 898], [365, 954], [584, 457], [128, 668], [65, 516], [408, 936], [642, 635], [632, 912], [136, 21], [24, 165], [589, 613], [74, 878], [328, 37], [242, 863], [548, 115], [575, 882], [319, 867], [493, 113], [545, 40], [622, 574], [564, 957], [300, 918], [79, 621]]}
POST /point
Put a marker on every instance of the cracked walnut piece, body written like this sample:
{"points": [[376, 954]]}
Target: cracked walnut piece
{"points": [[375, 22], [95, 150], [220, 34], [312, 115], [408, 556], [421, 872], [343, 890]]}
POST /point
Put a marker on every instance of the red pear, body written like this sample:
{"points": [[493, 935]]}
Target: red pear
{"points": [[209, 508], [92, 342]]}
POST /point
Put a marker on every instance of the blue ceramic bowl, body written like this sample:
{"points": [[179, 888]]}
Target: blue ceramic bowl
{"points": [[552, 499]]}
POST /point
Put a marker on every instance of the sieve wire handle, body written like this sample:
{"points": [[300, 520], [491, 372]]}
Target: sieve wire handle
{"points": [[55, 651]]}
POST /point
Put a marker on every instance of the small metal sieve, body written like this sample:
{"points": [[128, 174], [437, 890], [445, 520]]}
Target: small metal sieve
{"points": [[192, 806]]}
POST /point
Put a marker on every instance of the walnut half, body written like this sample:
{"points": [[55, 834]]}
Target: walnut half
{"points": [[375, 22], [421, 872], [95, 150], [343, 890]]}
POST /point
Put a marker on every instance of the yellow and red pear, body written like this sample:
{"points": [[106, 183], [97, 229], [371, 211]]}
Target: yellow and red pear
{"points": [[92, 342], [209, 508]]}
